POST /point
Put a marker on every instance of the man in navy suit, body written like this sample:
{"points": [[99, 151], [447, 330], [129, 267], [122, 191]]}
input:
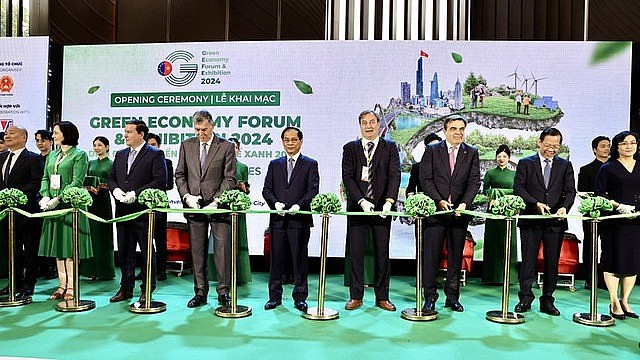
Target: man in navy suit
{"points": [[545, 182], [22, 170], [135, 168], [450, 175], [371, 176], [291, 183]]}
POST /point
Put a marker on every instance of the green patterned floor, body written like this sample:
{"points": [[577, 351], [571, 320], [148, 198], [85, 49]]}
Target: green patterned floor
{"points": [[111, 332]]}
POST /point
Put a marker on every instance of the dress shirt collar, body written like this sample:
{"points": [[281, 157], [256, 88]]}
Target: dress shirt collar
{"points": [[208, 143], [294, 157], [542, 161]]}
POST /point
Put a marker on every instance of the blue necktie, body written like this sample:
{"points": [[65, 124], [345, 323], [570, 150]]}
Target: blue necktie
{"points": [[132, 156], [290, 169], [7, 169], [203, 156], [547, 172]]}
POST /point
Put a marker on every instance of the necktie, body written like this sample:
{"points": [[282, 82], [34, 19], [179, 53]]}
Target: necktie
{"points": [[203, 156], [132, 156], [452, 158], [7, 169], [290, 169], [547, 172], [370, 194]]}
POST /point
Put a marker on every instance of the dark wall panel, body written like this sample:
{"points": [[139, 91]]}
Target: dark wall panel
{"points": [[253, 20], [82, 22], [303, 19], [141, 21], [196, 20], [614, 20]]}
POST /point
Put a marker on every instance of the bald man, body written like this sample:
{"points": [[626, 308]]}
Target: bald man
{"points": [[22, 169]]}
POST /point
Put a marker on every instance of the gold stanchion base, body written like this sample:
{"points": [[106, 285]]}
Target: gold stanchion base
{"points": [[154, 307], [313, 313], [414, 315], [600, 320], [83, 305], [505, 318], [6, 301], [229, 312]]}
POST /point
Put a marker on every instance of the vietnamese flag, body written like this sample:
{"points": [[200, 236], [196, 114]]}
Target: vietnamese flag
{"points": [[422, 53]]}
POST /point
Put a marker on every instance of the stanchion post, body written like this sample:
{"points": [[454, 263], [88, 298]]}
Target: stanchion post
{"points": [[504, 316], [75, 305], [592, 318], [320, 312], [235, 310], [416, 314], [149, 306], [11, 299]]}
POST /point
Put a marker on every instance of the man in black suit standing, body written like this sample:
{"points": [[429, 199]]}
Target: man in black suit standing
{"points": [[371, 176], [450, 175], [135, 168], [545, 181], [22, 170], [291, 183], [601, 147]]}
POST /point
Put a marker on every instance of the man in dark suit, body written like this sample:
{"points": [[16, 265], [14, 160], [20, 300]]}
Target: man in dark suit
{"points": [[136, 168], [450, 175], [371, 176], [291, 183], [601, 147], [206, 168], [22, 170], [160, 228], [546, 183]]}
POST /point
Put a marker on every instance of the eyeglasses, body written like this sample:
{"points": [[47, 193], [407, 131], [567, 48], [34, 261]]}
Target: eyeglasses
{"points": [[625, 144], [547, 146]]}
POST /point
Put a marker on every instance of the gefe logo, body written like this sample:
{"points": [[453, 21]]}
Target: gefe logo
{"points": [[184, 74], [6, 84]]}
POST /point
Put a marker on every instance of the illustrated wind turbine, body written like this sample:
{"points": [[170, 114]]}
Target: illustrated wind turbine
{"points": [[515, 78], [535, 82], [526, 84]]}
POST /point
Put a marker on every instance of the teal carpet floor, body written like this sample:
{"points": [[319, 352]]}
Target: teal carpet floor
{"points": [[110, 331]]}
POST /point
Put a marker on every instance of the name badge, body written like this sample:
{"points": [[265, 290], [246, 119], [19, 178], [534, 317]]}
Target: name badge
{"points": [[54, 182], [365, 174]]}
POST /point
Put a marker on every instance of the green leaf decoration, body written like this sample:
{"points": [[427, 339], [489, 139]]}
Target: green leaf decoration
{"points": [[508, 205], [153, 198], [12, 198], [605, 50], [93, 89], [456, 57], [593, 206], [303, 87], [326, 203], [235, 200], [419, 205], [76, 196], [495, 193]]}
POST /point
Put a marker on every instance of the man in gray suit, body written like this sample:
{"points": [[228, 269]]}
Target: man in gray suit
{"points": [[206, 168]]}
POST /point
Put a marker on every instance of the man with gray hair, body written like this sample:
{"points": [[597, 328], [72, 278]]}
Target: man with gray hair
{"points": [[206, 168]]}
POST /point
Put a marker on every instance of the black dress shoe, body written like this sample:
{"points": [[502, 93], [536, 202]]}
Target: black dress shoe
{"points": [[454, 305], [587, 285], [196, 301], [628, 313], [429, 305], [162, 276], [5, 291], [301, 305], [224, 299], [26, 291], [272, 304], [139, 276], [522, 307], [122, 295], [549, 308]]}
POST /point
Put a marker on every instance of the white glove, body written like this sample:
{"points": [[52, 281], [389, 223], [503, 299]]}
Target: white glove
{"points": [[129, 198], [294, 209], [386, 208], [626, 209], [213, 205], [192, 201], [366, 206], [52, 204], [279, 206], [43, 202], [118, 194]]}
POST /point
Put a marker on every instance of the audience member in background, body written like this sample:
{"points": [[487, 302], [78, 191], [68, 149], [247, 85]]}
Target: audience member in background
{"points": [[3, 146], [414, 185], [44, 143]]}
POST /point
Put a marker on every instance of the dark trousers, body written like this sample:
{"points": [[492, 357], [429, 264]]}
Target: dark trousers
{"points": [[26, 241], [160, 235], [199, 241], [530, 238], [130, 233], [284, 240], [358, 231], [433, 236]]}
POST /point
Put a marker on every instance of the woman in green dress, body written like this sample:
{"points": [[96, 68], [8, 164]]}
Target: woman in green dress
{"points": [[243, 265], [101, 266], [65, 167], [498, 182]]}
